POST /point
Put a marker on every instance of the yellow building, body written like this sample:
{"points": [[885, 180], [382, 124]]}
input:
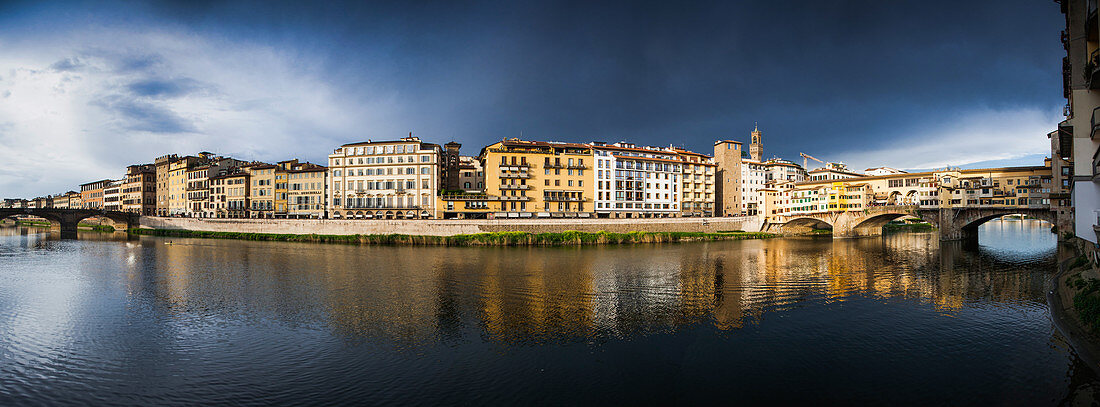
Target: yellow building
{"points": [[525, 179], [177, 203], [261, 190], [305, 196], [161, 165]]}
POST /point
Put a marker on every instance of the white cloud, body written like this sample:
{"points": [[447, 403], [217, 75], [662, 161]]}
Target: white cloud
{"points": [[983, 135], [81, 106]]}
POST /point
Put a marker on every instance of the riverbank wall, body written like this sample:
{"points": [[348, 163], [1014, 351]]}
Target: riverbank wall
{"points": [[451, 227], [1073, 301]]}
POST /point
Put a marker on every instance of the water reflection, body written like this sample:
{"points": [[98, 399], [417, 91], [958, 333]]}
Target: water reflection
{"points": [[190, 299], [533, 295]]}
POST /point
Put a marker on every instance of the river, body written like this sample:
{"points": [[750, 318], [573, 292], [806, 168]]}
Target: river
{"points": [[901, 319]]}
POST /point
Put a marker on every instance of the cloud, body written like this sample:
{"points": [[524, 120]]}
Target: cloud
{"points": [[145, 117], [67, 65], [979, 136], [84, 108], [163, 88]]}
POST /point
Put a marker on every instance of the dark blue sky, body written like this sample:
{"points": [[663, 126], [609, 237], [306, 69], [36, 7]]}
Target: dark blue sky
{"points": [[906, 84]]}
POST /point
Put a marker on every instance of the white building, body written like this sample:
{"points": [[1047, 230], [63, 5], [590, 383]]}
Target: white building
{"points": [[831, 171], [112, 195], [632, 182], [384, 179], [780, 170], [872, 172], [754, 178]]}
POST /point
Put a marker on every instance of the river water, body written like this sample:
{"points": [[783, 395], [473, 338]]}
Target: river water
{"points": [[901, 319]]}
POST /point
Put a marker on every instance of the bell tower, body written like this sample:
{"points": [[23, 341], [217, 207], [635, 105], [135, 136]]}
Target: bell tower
{"points": [[756, 149]]}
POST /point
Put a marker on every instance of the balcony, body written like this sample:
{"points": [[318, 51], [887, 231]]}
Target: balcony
{"points": [[515, 187], [515, 167], [515, 175], [1096, 165], [561, 198], [1092, 69], [380, 207], [514, 198], [553, 165], [467, 197], [577, 167]]}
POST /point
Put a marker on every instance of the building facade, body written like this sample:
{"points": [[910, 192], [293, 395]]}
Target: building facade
{"points": [[384, 179], [112, 195], [633, 182], [727, 156], [228, 196], [139, 189], [91, 194], [306, 192], [754, 177], [261, 190], [698, 173], [178, 183], [538, 179], [161, 166], [1077, 138]]}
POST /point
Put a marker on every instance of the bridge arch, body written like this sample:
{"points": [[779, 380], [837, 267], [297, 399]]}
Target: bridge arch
{"points": [[970, 225], [67, 219], [872, 225], [805, 224]]}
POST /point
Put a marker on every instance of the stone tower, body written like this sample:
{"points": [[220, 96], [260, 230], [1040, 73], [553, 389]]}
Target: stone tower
{"points": [[756, 149], [451, 166], [727, 194]]}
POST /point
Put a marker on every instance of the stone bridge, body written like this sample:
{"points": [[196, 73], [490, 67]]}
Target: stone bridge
{"points": [[66, 220], [959, 223]]}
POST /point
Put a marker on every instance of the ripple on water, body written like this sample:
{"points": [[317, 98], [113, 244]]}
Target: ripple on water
{"points": [[895, 320]]}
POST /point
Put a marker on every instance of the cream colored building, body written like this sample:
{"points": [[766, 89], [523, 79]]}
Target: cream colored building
{"points": [[112, 195], [384, 179], [831, 172], [177, 181], [61, 201], [228, 196], [698, 173], [306, 192]]}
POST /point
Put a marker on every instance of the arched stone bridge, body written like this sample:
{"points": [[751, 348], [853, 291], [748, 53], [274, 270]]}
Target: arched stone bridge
{"points": [[953, 223], [67, 219]]}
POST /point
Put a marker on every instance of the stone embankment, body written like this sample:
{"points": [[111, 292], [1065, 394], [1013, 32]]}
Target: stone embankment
{"points": [[452, 227], [1074, 300]]}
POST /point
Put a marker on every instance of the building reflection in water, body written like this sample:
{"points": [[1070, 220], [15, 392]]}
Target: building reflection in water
{"points": [[412, 296]]}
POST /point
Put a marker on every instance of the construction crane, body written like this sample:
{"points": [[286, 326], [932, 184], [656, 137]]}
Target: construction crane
{"points": [[805, 164]]}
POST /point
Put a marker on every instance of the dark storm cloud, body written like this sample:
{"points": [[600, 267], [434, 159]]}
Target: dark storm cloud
{"points": [[163, 88], [143, 116], [67, 65], [816, 75], [827, 78]]}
